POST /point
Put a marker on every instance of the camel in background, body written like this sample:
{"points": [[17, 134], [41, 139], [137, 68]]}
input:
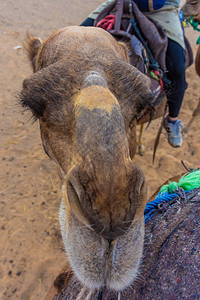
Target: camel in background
{"points": [[192, 8], [86, 99]]}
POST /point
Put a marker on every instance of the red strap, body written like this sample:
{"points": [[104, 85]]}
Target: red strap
{"points": [[107, 23], [157, 73], [161, 84]]}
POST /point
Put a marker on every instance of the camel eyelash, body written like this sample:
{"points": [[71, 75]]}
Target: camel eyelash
{"points": [[31, 103]]}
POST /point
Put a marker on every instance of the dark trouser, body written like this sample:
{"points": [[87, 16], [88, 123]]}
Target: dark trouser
{"points": [[87, 22], [175, 62]]}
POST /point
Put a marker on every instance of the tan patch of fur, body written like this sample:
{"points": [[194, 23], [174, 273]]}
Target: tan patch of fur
{"points": [[96, 97]]}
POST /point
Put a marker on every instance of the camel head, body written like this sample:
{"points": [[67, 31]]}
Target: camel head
{"points": [[87, 96], [191, 8]]}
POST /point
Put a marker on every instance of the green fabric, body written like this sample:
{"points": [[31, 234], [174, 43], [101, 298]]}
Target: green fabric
{"points": [[195, 26], [193, 23], [188, 182]]}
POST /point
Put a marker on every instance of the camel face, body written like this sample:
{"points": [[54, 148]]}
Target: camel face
{"points": [[86, 97], [191, 8]]}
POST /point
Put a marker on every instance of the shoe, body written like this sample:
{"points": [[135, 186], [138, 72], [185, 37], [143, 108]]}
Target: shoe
{"points": [[174, 132]]}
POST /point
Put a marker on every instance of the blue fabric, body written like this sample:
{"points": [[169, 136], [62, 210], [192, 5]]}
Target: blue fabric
{"points": [[87, 22], [152, 207], [143, 5]]}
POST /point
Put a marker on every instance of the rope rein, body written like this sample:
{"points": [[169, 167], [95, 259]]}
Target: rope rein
{"points": [[187, 187]]}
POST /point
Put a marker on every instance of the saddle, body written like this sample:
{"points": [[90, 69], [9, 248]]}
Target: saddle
{"points": [[146, 40]]}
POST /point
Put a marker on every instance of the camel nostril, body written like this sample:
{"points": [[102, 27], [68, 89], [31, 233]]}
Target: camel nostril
{"points": [[72, 193], [110, 241]]}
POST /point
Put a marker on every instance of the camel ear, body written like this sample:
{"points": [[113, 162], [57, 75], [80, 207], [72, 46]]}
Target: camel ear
{"points": [[32, 95], [124, 51], [32, 46], [41, 88], [131, 88]]}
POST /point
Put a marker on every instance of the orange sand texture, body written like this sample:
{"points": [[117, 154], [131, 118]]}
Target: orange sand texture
{"points": [[31, 250]]}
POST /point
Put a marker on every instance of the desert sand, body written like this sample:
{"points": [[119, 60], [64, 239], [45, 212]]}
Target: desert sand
{"points": [[31, 249]]}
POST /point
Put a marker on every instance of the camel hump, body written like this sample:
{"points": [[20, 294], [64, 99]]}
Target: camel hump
{"points": [[32, 46]]}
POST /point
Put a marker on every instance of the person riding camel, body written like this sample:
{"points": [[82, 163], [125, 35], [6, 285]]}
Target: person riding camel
{"points": [[168, 17]]}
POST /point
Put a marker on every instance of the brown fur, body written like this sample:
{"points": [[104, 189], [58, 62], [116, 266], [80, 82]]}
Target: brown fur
{"points": [[32, 45], [87, 96]]}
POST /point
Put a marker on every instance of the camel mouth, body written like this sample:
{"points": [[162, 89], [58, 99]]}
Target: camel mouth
{"points": [[187, 16], [108, 257], [97, 262]]}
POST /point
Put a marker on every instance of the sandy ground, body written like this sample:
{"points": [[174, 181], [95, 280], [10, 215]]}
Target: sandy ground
{"points": [[31, 251]]}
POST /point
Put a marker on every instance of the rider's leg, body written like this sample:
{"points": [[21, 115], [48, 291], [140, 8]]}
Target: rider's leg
{"points": [[88, 22], [175, 61]]}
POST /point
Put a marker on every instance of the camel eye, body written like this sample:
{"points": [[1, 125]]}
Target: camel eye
{"points": [[36, 106], [194, 2]]}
